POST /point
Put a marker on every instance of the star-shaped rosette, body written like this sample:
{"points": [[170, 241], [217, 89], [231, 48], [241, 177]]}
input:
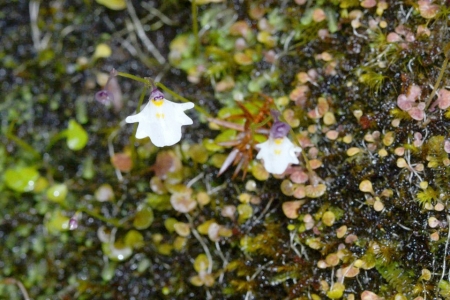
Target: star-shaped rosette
{"points": [[161, 120], [278, 151]]}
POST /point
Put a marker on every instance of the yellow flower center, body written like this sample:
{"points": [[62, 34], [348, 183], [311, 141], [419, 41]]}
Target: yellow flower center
{"points": [[278, 141], [158, 102]]}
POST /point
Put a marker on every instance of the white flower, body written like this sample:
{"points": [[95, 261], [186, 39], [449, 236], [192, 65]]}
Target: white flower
{"points": [[277, 154], [161, 120]]}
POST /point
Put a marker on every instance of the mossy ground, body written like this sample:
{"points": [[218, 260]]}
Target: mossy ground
{"points": [[364, 214]]}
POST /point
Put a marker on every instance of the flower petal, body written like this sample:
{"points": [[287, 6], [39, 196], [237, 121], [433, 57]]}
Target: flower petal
{"points": [[133, 119], [277, 154], [161, 121]]}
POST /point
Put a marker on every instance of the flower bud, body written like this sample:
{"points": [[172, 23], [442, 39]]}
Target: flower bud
{"points": [[279, 130]]}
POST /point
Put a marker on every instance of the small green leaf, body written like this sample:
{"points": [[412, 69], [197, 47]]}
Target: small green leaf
{"points": [[58, 222], [57, 193], [143, 218], [198, 153], [81, 110], [170, 224], [225, 136], [117, 251], [77, 137], [102, 51], [332, 22], [245, 211], [210, 145], [259, 138], [113, 4], [227, 112], [21, 179], [108, 271], [159, 202], [201, 263], [307, 17], [88, 168], [165, 249], [134, 239]]}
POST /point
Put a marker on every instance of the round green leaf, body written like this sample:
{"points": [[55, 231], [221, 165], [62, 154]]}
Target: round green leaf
{"points": [[210, 145], [169, 224], [58, 222], [134, 239], [57, 193], [198, 153], [144, 218], [77, 137], [21, 179], [201, 263], [117, 251]]}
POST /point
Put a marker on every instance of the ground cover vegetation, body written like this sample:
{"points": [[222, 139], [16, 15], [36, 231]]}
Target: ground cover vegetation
{"points": [[312, 161]]}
